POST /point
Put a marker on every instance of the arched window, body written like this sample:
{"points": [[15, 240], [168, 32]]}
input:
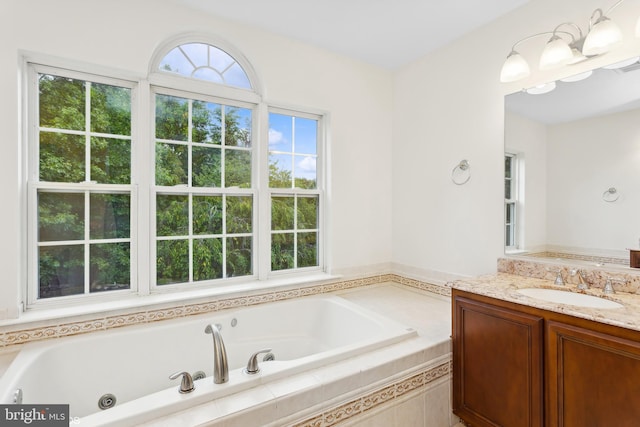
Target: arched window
{"points": [[205, 62], [99, 209], [205, 187]]}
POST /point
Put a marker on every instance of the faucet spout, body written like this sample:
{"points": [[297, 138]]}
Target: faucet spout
{"points": [[220, 364]]}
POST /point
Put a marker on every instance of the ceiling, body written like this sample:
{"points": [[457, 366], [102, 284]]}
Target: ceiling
{"points": [[386, 33], [604, 92]]}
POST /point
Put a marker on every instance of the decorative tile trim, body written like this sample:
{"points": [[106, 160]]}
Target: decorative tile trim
{"points": [[13, 339], [389, 392], [423, 286], [581, 257], [626, 281]]}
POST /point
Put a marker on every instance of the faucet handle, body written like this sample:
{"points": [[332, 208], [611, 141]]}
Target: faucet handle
{"points": [[559, 279], [252, 364], [186, 386], [582, 280], [608, 286]]}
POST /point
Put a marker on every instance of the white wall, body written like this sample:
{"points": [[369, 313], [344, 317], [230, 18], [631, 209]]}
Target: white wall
{"points": [[528, 139], [426, 117], [448, 106], [124, 33], [585, 158]]}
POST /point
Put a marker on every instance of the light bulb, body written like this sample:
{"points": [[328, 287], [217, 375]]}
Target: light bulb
{"points": [[604, 34], [541, 89], [556, 53], [514, 68], [577, 77]]}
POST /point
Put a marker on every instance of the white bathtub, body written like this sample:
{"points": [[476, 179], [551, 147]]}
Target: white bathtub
{"points": [[134, 363]]}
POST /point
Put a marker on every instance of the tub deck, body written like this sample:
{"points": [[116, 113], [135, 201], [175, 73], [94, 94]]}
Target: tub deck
{"points": [[289, 400], [284, 402], [428, 313]]}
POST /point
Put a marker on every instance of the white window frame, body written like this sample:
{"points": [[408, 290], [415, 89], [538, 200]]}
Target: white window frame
{"points": [[514, 201], [322, 118], [143, 189], [34, 184], [191, 191]]}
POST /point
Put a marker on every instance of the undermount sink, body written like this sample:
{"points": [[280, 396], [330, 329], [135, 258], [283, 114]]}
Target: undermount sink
{"points": [[571, 298]]}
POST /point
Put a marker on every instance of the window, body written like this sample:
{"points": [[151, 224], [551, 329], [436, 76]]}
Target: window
{"points": [[295, 197], [511, 200], [205, 62], [81, 184], [204, 201], [187, 202]]}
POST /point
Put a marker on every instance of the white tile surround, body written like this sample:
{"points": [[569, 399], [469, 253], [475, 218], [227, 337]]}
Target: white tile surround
{"points": [[13, 335], [403, 384]]}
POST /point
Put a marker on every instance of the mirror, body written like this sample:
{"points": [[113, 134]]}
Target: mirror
{"points": [[572, 167]]}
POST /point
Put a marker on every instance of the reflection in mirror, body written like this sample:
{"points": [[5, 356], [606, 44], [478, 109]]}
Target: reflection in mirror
{"points": [[564, 151]]}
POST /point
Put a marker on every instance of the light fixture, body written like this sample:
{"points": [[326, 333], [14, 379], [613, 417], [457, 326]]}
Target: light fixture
{"points": [[566, 47], [622, 64], [577, 77], [577, 56], [555, 54], [514, 68], [603, 34], [541, 89]]}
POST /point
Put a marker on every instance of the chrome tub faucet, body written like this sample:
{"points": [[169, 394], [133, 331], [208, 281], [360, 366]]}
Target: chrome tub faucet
{"points": [[220, 364]]}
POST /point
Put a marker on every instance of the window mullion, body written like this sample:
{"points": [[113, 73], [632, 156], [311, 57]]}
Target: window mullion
{"points": [[190, 242], [223, 150], [293, 153], [189, 143], [264, 196], [224, 235], [87, 129], [87, 247], [295, 231], [87, 199]]}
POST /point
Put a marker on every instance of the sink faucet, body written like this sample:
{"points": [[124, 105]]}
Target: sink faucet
{"points": [[559, 279], [220, 364], [608, 286], [583, 285]]}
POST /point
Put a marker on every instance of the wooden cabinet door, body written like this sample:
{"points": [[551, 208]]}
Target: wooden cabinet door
{"points": [[593, 378], [497, 365]]}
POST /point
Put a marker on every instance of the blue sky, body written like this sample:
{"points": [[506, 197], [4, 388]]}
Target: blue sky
{"points": [[293, 139]]}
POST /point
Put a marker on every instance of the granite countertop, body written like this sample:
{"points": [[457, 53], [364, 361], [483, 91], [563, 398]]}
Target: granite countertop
{"points": [[503, 286]]}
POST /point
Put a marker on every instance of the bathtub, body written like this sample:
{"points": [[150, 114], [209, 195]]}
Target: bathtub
{"points": [[134, 363]]}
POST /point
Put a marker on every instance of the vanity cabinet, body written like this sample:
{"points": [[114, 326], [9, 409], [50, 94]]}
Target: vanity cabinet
{"points": [[593, 375], [497, 364], [516, 366]]}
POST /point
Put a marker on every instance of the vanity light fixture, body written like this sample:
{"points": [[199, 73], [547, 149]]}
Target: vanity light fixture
{"points": [[541, 89], [568, 45], [622, 64], [577, 77], [603, 34]]}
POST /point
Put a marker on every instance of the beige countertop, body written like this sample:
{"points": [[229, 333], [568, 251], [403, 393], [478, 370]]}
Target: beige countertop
{"points": [[504, 286]]}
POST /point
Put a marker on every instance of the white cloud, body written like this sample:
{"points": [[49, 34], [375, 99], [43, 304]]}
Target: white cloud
{"points": [[307, 167], [275, 137]]}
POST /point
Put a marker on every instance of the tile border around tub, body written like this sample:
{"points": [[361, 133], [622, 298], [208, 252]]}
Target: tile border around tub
{"points": [[361, 404], [11, 340]]}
